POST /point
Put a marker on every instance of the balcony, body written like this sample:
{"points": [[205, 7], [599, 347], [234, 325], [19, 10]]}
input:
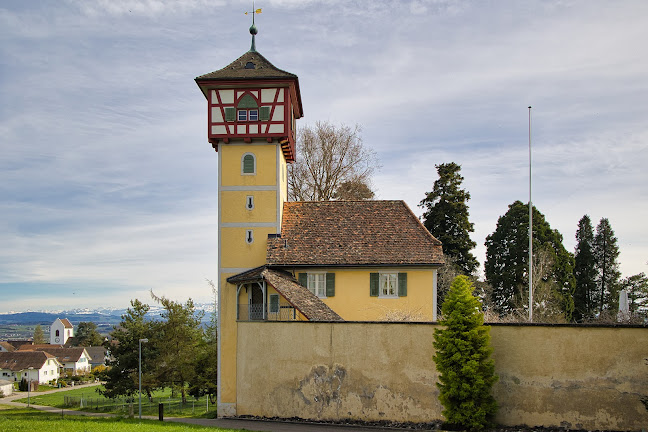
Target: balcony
{"points": [[261, 312]]}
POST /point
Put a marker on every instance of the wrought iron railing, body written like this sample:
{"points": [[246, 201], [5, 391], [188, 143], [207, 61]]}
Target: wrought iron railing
{"points": [[260, 312]]}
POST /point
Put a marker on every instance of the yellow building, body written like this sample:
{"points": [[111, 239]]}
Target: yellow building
{"points": [[279, 260]]}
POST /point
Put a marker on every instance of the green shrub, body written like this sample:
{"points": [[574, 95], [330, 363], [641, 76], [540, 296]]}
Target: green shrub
{"points": [[467, 373], [23, 385]]}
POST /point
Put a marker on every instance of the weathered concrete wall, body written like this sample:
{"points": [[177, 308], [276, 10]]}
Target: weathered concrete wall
{"points": [[578, 377]]}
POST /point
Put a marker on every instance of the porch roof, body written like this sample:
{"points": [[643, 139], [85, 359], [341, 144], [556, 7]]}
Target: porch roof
{"points": [[307, 303]]}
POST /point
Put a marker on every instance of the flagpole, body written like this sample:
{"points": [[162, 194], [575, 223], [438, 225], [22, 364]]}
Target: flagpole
{"points": [[530, 231]]}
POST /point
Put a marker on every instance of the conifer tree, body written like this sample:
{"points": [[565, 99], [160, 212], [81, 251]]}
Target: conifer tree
{"points": [[39, 337], [606, 252], [446, 216], [507, 257], [466, 371], [584, 270]]}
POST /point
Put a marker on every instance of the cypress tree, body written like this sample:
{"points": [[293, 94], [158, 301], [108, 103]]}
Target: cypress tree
{"points": [[466, 371]]}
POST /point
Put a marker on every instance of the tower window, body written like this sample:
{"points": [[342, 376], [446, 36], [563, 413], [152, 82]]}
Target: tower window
{"points": [[248, 115], [249, 202], [248, 164], [249, 237]]}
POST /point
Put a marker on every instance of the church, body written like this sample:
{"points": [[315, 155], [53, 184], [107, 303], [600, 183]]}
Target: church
{"points": [[298, 261]]}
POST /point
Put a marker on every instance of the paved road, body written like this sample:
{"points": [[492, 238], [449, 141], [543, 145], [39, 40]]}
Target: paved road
{"points": [[229, 423]]}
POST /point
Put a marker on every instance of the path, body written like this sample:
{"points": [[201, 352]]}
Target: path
{"points": [[224, 423]]}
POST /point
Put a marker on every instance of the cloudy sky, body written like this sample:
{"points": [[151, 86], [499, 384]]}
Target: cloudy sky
{"points": [[108, 183]]}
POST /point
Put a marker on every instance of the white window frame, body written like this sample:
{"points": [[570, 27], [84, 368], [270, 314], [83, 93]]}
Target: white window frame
{"points": [[384, 281], [316, 283], [241, 115], [253, 115], [249, 202]]}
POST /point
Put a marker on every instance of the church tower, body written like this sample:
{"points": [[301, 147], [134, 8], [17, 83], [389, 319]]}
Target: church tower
{"points": [[251, 111]]}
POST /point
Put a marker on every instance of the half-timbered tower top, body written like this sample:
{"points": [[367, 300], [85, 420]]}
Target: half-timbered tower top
{"points": [[250, 100]]}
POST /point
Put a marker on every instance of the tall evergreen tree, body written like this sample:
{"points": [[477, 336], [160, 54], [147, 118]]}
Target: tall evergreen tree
{"points": [[584, 270], [87, 335], [122, 375], [177, 338], [463, 359], [39, 337], [637, 288], [606, 252], [507, 257], [446, 216]]}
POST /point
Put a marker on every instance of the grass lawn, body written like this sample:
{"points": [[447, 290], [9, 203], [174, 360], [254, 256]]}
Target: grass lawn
{"points": [[30, 420], [92, 401]]}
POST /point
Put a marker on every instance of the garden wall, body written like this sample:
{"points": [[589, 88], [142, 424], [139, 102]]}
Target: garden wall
{"points": [[571, 376]]}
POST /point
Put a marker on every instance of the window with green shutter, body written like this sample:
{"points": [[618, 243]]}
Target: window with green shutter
{"points": [[330, 284], [274, 303], [302, 278], [230, 114], [264, 113], [402, 284], [248, 164], [373, 284]]}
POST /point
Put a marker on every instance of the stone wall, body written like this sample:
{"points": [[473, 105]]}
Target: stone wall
{"points": [[571, 376]]}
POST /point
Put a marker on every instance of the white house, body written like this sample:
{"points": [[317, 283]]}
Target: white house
{"points": [[60, 331], [31, 365], [73, 359]]}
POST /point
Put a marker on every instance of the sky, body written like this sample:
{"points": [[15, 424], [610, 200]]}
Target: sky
{"points": [[108, 184]]}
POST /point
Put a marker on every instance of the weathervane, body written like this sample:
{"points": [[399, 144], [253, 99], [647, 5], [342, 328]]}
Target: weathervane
{"points": [[253, 29]]}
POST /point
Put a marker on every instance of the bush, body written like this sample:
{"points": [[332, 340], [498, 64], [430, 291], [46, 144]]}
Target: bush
{"points": [[466, 372], [23, 385]]}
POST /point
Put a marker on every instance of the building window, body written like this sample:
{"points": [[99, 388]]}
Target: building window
{"points": [[57, 333], [248, 164], [388, 285], [249, 202], [321, 284], [249, 237]]}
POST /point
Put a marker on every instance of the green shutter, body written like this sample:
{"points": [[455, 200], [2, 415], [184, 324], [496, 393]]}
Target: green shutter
{"points": [[402, 284], [274, 303], [264, 113], [248, 164], [247, 102], [230, 114], [330, 284], [303, 279], [373, 284]]}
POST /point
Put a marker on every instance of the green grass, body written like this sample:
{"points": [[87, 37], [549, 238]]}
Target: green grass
{"points": [[30, 420], [95, 402]]}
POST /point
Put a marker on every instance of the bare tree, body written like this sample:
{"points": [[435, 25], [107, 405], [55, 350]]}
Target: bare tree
{"points": [[332, 163]]}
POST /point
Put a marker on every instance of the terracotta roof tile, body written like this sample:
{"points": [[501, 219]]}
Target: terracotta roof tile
{"points": [[21, 360], [67, 323], [64, 354], [7, 346], [352, 233]]}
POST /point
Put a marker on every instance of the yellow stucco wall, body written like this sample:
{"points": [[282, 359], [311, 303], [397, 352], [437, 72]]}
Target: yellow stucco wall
{"points": [[266, 157], [234, 208], [353, 302], [227, 340], [577, 377], [236, 253]]}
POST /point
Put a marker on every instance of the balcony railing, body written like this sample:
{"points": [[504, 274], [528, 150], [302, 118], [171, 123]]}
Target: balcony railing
{"points": [[260, 312]]}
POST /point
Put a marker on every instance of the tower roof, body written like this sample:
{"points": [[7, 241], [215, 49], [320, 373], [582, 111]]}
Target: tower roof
{"points": [[251, 65]]}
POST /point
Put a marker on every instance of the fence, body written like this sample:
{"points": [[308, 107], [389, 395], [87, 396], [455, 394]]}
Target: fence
{"points": [[172, 406]]}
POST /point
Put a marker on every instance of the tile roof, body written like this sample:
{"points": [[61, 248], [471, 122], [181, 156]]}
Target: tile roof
{"points": [[67, 323], [21, 360], [7, 346], [311, 306], [352, 233], [38, 347], [239, 69], [72, 354]]}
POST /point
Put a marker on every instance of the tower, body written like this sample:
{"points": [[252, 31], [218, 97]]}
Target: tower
{"points": [[251, 109], [60, 331]]}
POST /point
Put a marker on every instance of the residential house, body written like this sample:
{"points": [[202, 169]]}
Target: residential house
{"points": [[60, 331], [280, 260], [74, 360], [31, 365], [6, 347], [98, 356]]}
